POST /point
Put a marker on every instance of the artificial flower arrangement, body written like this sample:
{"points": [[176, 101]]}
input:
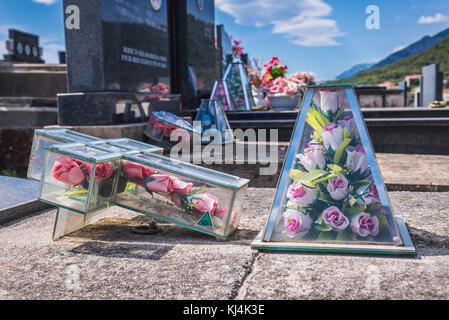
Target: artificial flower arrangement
{"points": [[77, 175], [201, 208], [162, 125], [237, 48], [332, 195]]}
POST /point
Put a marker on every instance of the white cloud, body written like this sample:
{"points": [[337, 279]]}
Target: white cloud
{"points": [[51, 48], [399, 48], [304, 22], [47, 2], [438, 18]]}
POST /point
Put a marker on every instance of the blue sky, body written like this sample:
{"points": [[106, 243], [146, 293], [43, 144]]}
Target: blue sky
{"points": [[322, 36]]}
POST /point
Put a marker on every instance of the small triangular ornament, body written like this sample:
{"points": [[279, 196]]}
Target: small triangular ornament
{"points": [[330, 196], [206, 221]]}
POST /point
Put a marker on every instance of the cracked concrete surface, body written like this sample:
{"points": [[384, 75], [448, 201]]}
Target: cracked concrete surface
{"points": [[106, 261]]}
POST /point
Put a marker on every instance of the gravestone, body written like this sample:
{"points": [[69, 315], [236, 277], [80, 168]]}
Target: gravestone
{"points": [[431, 85], [23, 47], [224, 49], [403, 86], [117, 58], [193, 48]]}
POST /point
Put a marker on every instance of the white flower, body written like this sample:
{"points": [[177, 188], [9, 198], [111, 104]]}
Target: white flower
{"points": [[300, 195], [329, 101], [313, 158], [356, 160], [332, 135]]}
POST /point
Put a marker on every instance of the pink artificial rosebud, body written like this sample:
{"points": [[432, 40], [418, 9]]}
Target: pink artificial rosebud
{"points": [[159, 125], [364, 225], [335, 218], [182, 187], [168, 130], [137, 171], [221, 213], [300, 195], [332, 135], [338, 188], [160, 183], [205, 203], [368, 195], [356, 160], [313, 157], [176, 199], [67, 171], [296, 223]]}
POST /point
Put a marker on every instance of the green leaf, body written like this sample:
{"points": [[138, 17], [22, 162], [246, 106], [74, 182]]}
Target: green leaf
{"points": [[339, 114], [296, 174], [336, 169], [340, 150], [326, 236], [353, 212], [346, 134], [345, 235], [199, 190], [323, 227], [325, 178]]}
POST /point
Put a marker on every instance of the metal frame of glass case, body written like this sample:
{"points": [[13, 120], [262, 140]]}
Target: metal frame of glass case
{"points": [[401, 243], [218, 122]]}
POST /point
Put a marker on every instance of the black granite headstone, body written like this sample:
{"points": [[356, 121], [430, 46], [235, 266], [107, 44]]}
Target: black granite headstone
{"points": [[193, 49], [224, 45], [431, 85], [23, 47], [119, 55]]}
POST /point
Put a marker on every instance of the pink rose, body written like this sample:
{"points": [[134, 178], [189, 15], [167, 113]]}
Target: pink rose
{"points": [[313, 157], [221, 213], [182, 187], [66, 170], [134, 170], [368, 195], [335, 218], [160, 183], [169, 130], [159, 125], [300, 195], [365, 225], [205, 203], [103, 170], [338, 188], [296, 223]]}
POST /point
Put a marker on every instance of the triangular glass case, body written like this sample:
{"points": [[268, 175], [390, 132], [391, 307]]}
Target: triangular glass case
{"points": [[331, 196]]}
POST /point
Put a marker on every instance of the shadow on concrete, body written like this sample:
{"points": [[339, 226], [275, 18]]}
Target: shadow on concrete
{"points": [[119, 230], [123, 250]]}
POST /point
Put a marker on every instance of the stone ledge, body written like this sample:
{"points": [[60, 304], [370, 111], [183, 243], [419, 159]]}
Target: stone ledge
{"points": [[111, 263]]}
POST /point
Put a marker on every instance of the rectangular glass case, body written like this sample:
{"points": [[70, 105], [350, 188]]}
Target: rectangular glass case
{"points": [[176, 192], [79, 177], [47, 137]]}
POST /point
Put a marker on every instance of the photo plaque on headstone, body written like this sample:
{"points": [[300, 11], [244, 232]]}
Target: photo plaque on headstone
{"points": [[23, 47]]}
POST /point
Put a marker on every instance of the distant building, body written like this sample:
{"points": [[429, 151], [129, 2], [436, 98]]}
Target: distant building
{"points": [[388, 85], [412, 80]]}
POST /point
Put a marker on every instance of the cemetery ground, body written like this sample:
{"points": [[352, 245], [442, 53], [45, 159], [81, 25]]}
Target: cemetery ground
{"points": [[106, 261]]}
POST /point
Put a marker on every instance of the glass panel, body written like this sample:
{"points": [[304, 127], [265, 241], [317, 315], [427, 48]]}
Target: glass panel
{"points": [[72, 136], [213, 119], [196, 172], [130, 144], [38, 154], [71, 183], [238, 83], [221, 93], [236, 210], [331, 196], [174, 198], [163, 124]]}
